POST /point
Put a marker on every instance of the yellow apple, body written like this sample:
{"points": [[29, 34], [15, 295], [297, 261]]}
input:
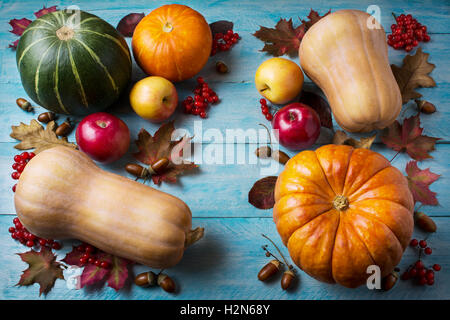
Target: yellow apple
{"points": [[154, 98], [279, 80]]}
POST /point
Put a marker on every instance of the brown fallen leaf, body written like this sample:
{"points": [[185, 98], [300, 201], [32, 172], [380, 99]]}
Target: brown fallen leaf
{"points": [[151, 149], [413, 74], [42, 269], [35, 136], [340, 137], [262, 195]]}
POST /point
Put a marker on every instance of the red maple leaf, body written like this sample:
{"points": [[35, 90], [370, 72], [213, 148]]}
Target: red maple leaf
{"points": [[45, 10], [115, 275], [284, 38], [408, 138], [160, 146], [42, 269], [313, 17], [19, 25], [419, 182]]}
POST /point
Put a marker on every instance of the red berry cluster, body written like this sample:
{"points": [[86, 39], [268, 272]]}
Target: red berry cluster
{"points": [[203, 96], [407, 33], [88, 256], [265, 109], [418, 270], [20, 161], [20, 233], [224, 42]]}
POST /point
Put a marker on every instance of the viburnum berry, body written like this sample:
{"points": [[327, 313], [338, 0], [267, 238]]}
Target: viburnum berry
{"points": [[414, 243], [83, 260], [428, 251], [224, 42], [421, 273], [407, 33], [15, 175], [97, 263], [56, 245], [419, 264], [436, 267], [29, 243], [413, 272], [423, 281], [203, 97], [422, 243], [17, 158], [42, 242], [104, 264]]}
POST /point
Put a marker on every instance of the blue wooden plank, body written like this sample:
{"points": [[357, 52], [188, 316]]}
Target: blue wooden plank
{"points": [[224, 265], [433, 13], [230, 183]]}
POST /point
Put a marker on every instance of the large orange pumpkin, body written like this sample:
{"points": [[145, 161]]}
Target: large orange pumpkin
{"points": [[340, 210], [173, 41]]}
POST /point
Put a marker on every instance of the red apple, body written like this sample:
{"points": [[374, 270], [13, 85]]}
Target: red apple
{"points": [[297, 126], [102, 136]]}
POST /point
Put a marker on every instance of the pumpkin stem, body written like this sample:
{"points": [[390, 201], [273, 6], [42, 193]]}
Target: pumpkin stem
{"points": [[64, 33], [167, 27], [193, 236], [340, 203]]}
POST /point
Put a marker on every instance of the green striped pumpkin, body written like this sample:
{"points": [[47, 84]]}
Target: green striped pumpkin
{"points": [[73, 62]]}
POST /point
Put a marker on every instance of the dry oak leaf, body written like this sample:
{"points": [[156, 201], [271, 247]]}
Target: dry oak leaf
{"points": [[262, 194], [34, 136], [408, 138], [340, 137], [284, 38], [42, 269], [160, 146], [419, 182], [413, 74]]}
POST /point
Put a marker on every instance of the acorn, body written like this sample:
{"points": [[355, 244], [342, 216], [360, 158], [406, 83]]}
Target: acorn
{"points": [[136, 170], [425, 106], [264, 152], [425, 222], [269, 270], [139, 171], [24, 104], [389, 281], [64, 128], [146, 279], [221, 67], [160, 165], [280, 156], [286, 280], [46, 117], [166, 283]]}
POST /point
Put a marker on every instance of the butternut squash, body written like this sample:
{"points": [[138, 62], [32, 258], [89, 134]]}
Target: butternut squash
{"points": [[349, 62], [63, 194]]}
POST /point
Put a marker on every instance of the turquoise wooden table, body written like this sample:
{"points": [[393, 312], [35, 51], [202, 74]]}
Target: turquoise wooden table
{"points": [[224, 264]]}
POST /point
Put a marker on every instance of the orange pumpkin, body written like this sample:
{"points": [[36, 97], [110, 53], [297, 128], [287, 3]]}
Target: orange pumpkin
{"points": [[173, 41], [340, 210]]}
